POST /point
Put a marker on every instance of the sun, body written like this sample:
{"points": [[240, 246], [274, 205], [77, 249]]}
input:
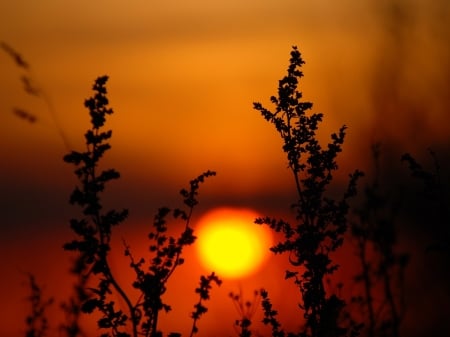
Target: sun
{"points": [[230, 244]]}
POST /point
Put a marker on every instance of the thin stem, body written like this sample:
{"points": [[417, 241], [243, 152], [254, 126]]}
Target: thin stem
{"points": [[367, 285], [392, 305], [154, 322], [195, 319], [124, 297], [104, 239], [177, 258], [54, 116]]}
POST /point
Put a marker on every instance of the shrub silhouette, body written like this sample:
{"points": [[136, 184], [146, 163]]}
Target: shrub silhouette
{"points": [[321, 221]]}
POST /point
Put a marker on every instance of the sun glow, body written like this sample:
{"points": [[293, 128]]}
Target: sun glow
{"points": [[230, 244]]}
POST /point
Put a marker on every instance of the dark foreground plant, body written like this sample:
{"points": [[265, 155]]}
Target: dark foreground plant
{"points": [[435, 199], [321, 221], [382, 272], [94, 231]]}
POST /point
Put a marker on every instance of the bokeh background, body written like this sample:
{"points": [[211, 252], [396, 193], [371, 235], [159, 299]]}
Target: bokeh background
{"points": [[183, 77]]}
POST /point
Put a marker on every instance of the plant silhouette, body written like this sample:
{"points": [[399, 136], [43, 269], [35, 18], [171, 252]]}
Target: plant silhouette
{"points": [[321, 221], [382, 268], [246, 310], [36, 322], [435, 198], [72, 306], [31, 88], [94, 232]]}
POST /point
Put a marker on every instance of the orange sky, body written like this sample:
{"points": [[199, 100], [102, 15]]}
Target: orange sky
{"points": [[183, 76]]}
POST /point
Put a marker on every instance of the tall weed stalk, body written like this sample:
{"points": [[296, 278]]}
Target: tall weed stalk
{"points": [[321, 221]]}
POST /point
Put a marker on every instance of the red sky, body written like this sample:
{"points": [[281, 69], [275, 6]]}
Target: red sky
{"points": [[183, 77]]}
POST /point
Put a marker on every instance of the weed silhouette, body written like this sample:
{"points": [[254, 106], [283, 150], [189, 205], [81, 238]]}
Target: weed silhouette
{"points": [[94, 231], [375, 233], [435, 198], [246, 310], [71, 307], [321, 221]]}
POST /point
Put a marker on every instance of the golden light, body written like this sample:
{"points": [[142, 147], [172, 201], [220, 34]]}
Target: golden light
{"points": [[230, 244]]}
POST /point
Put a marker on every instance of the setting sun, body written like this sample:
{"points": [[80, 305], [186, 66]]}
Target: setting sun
{"points": [[230, 244]]}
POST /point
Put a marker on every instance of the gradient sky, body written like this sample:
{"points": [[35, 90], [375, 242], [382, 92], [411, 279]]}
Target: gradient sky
{"points": [[183, 77]]}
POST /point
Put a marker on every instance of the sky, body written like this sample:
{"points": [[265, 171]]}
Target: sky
{"points": [[183, 77]]}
